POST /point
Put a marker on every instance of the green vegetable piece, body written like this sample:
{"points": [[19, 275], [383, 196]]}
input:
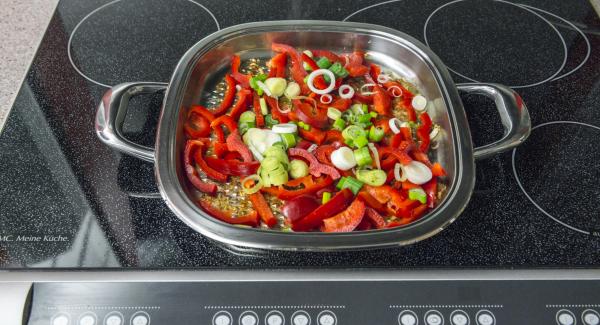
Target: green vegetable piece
{"points": [[298, 168], [363, 157], [339, 124], [277, 152], [289, 140], [376, 134], [352, 132], [417, 194], [323, 63], [351, 183], [361, 141], [338, 70], [247, 116], [326, 197], [243, 127], [334, 113], [376, 177], [270, 121]]}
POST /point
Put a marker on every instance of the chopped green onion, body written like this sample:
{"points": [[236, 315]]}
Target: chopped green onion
{"points": [[276, 86], [289, 140], [323, 63], [326, 197], [298, 168], [258, 184], [376, 177], [363, 156], [305, 79], [376, 134], [278, 152], [270, 121], [351, 183], [254, 84], [359, 109], [243, 127], [292, 90], [339, 124], [349, 142], [364, 118], [264, 110], [247, 116], [373, 114], [417, 194], [352, 132], [334, 113], [304, 125], [360, 141], [338, 70]]}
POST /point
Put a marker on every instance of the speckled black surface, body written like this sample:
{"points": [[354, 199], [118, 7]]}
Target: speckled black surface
{"points": [[56, 178]]}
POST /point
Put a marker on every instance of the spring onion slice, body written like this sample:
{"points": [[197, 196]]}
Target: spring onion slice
{"points": [[285, 111], [258, 184], [376, 177], [292, 90], [255, 152], [417, 172], [316, 73], [364, 89], [263, 106], [346, 91], [419, 103], [285, 128], [264, 88], [417, 194], [394, 122], [434, 132], [326, 99], [396, 91], [375, 155], [312, 148], [343, 158], [383, 78], [334, 113], [399, 173]]}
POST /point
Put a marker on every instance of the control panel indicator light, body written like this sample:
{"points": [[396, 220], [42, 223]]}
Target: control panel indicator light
{"points": [[88, 318], [61, 319], [485, 317], [327, 317], [459, 317], [113, 318], [248, 318], [590, 317], [408, 317], [565, 317], [275, 317], [434, 317], [222, 318], [140, 318], [300, 317]]}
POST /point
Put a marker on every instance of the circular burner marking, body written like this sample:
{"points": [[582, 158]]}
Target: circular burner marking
{"points": [[514, 168], [562, 40], [99, 9]]}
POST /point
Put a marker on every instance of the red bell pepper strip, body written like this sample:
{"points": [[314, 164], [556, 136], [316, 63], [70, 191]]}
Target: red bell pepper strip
{"points": [[235, 143], [262, 207], [382, 103], [346, 220], [363, 99], [327, 54], [394, 201], [323, 154], [201, 110], [430, 189], [227, 99], [298, 72], [289, 191], [410, 111], [414, 214], [275, 112], [315, 168], [437, 170], [423, 131], [250, 219], [260, 119], [371, 201], [220, 148], [233, 167], [223, 120], [241, 79], [313, 135], [241, 104], [342, 104], [399, 153], [333, 136], [197, 127], [319, 82], [365, 224], [191, 146], [337, 204], [396, 140], [354, 66], [374, 71], [232, 155], [375, 218], [407, 185], [307, 114], [210, 172], [277, 66]]}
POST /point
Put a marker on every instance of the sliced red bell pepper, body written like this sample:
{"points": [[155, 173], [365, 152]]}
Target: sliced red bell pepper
{"points": [[191, 146], [223, 120], [346, 220], [274, 109], [241, 104], [371, 201], [342, 104], [262, 207], [319, 82], [260, 119], [388, 154], [201, 110], [220, 148], [334, 136], [407, 185], [232, 155], [410, 111], [363, 99], [430, 189], [210, 172], [315, 168], [374, 71], [382, 103], [313, 135], [323, 154], [308, 114], [355, 65], [235, 143], [392, 198], [300, 186], [423, 131], [227, 99], [385, 125], [375, 218], [298, 72], [337, 204], [233, 167], [197, 126], [437, 170], [365, 224], [242, 79], [414, 214], [277, 66], [332, 57], [396, 140], [407, 96], [250, 219]]}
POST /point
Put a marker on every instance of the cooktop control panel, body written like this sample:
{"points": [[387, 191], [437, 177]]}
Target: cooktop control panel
{"points": [[317, 303]]}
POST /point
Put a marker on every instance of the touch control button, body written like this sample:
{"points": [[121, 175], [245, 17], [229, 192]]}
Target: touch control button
{"points": [[113, 318], [87, 319], [485, 317], [434, 317], [408, 317], [222, 318], [60, 319], [459, 317], [327, 317], [248, 318], [140, 318], [565, 317], [590, 317], [300, 318], [274, 317]]}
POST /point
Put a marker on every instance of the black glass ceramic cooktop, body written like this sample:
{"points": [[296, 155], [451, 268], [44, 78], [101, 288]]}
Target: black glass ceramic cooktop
{"points": [[68, 201]]}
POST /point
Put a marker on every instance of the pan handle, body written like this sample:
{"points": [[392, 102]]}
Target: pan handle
{"points": [[111, 114], [513, 114]]}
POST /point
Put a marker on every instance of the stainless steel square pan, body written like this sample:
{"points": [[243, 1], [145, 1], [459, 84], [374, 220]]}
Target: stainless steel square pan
{"points": [[209, 59]]}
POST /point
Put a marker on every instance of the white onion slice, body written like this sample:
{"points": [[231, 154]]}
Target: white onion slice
{"points": [[257, 155], [285, 128], [346, 91], [284, 111], [396, 91], [367, 92], [394, 123], [417, 172], [312, 148], [343, 158], [399, 173], [264, 88], [419, 103], [383, 78], [316, 73], [347, 61], [238, 87], [375, 154], [326, 99], [434, 132]]}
